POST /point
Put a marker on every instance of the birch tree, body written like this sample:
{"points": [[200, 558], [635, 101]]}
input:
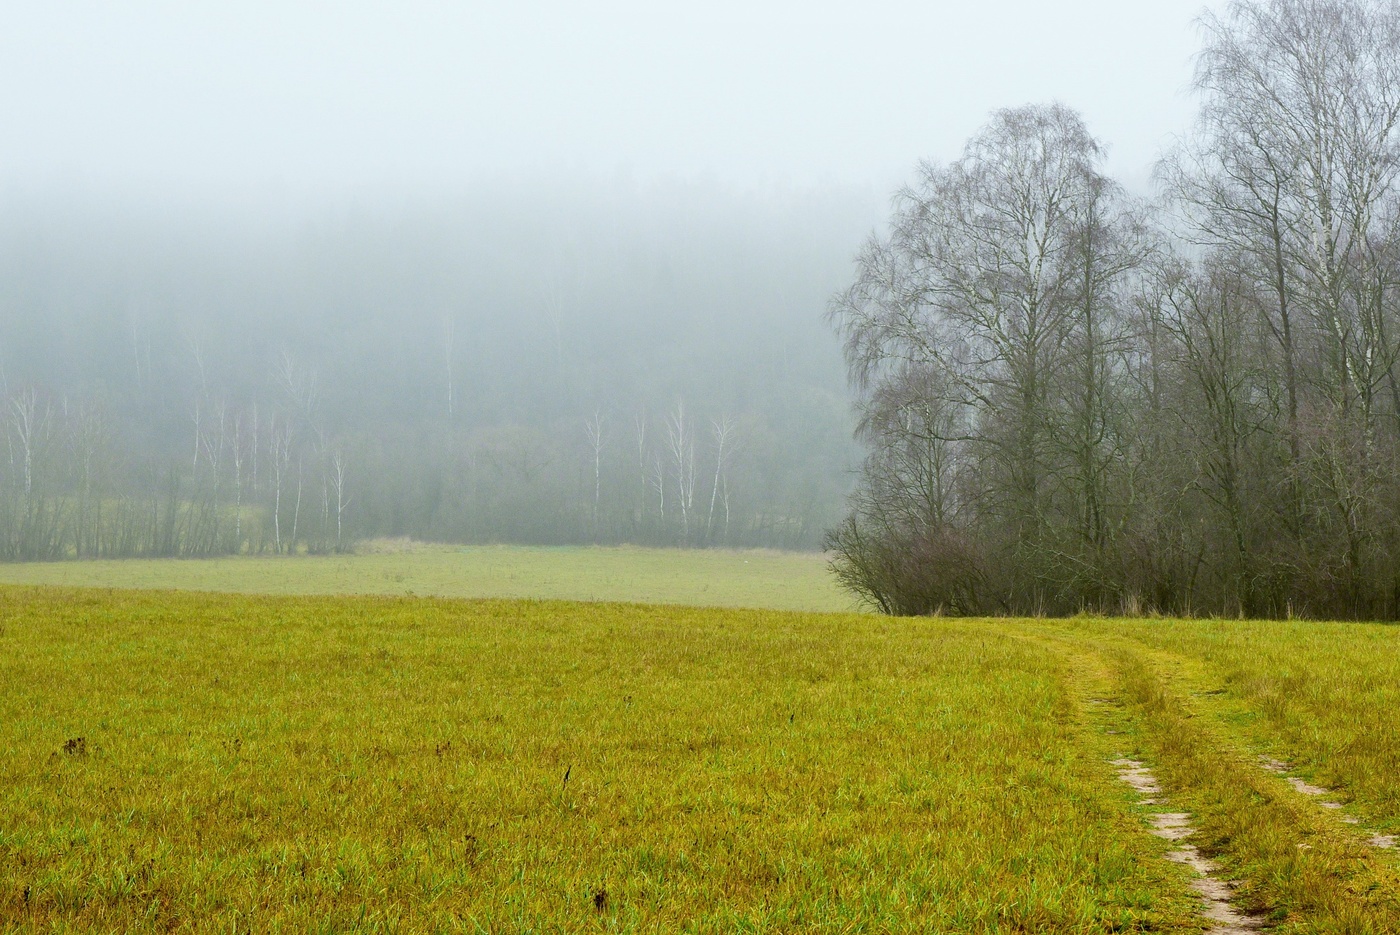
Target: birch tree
{"points": [[722, 431], [680, 442], [593, 427], [995, 277]]}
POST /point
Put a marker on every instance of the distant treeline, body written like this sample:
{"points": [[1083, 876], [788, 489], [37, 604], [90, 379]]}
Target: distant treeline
{"points": [[1075, 401], [267, 480], [71, 488], [542, 367]]}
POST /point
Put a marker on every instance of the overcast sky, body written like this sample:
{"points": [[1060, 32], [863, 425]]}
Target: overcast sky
{"points": [[287, 96]]}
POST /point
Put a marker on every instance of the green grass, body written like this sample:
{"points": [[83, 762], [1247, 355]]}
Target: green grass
{"points": [[699, 577], [392, 764]]}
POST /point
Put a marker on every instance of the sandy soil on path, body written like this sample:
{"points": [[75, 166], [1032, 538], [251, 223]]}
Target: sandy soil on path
{"points": [[1215, 893], [1279, 768]]}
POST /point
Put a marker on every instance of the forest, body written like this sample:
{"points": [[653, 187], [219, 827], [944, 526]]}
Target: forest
{"points": [[1077, 400], [595, 363]]}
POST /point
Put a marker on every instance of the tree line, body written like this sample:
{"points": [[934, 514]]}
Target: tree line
{"points": [[680, 476], [541, 367], [1076, 400], [253, 481], [270, 479]]}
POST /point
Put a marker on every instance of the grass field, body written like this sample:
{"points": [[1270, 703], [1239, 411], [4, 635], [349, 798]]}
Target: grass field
{"points": [[699, 577], [179, 761], [407, 764], [386, 761]]}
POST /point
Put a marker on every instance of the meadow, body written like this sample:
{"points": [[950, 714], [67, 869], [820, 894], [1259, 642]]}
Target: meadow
{"points": [[698, 577], [200, 762], [189, 761]]}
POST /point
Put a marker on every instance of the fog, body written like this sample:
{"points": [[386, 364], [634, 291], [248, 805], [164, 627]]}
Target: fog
{"points": [[233, 100], [514, 268], [454, 354]]}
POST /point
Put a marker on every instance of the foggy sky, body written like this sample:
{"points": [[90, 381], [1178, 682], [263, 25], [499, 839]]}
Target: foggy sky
{"points": [[235, 100]]}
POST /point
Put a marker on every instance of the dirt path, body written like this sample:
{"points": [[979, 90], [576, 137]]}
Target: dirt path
{"points": [[1144, 702], [1176, 827], [1091, 667]]}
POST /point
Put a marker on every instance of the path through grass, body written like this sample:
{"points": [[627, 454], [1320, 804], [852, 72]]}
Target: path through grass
{"points": [[1198, 714]]}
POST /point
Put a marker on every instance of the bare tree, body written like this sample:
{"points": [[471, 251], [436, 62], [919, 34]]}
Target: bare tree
{"points": [[296, 509], [681, 447], [639, 425], [1064, 412], [1293, 169], [27, 422], [996, 276], [658, 483], [448, 332], [341, 500], [35, 519], [1207, 317], [722, 430], [280, 450], [593, 426]]}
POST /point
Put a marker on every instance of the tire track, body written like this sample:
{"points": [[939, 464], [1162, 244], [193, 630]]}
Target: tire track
{"points": [[1336, 885], [1176, 827], [1215, 893], [1279, 768]]}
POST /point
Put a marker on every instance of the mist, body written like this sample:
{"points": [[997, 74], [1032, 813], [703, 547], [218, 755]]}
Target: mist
{"points": [[534, 274], [309, 103], [454, 353]]}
